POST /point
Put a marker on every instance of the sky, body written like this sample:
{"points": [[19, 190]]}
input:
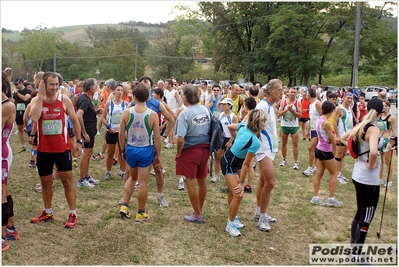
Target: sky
{"points": [[69, 13]]}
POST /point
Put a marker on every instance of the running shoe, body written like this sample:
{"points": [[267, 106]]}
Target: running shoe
{"points": [[162, 201], [333, 202], [343, 177], [12, 233], [317, 201], [153, 171], [114, 162], [98, 157], [314, 170], [263, 224], [256, 215], [124, 211], [123, 176], [191, 218], [180, 185], [72, 221], [308, 171], [92, 180], [85, 183], [224, 190], [107, 176], [32, 164], [136, 186], [390, 184], [381, 181], [4, 244], [169, 145], [43, 217], [340, 180], [270, 218], [248, 189], [283, 163], [140, 217], [295, 165], [75, 163], [216, 178], [23, 149], [166, 140], [98, 133], [254, 165], [237, 224], [232, 230]]}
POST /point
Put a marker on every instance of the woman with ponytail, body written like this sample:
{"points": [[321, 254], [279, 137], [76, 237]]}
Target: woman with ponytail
{"points": [[366, 170]]}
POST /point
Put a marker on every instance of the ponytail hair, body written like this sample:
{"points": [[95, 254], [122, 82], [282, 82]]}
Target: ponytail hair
{"points": [[357, 132]]}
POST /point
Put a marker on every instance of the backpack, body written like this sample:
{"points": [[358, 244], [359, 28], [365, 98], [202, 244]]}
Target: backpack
{"points": [[216, 134], [354, 146]]}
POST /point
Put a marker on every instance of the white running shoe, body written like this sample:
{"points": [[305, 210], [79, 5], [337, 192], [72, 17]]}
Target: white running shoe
{"points": [[317, 201], [237, 223], [308, 171], [263, 224], [283, 163], [340, 180], [216, 178], [180, 185], [295, 165], [333, 202], [232, 230]]}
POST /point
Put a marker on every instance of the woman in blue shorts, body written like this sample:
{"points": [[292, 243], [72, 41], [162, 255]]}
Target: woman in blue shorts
{"points": [[237, 160]]}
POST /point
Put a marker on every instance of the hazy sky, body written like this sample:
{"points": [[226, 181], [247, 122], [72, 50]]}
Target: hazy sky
{"points": [[17, 15]]}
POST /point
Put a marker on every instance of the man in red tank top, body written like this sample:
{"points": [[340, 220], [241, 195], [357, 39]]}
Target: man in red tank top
{"points": [[49, 110]]}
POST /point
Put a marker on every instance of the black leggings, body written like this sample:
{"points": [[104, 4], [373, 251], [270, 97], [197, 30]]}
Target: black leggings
{"points": [[367, 199]]}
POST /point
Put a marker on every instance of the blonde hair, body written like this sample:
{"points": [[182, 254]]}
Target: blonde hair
{"points": [[357, 132], [256, 120]]}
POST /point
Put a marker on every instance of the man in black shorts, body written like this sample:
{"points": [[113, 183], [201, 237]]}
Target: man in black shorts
{"points": [[21, 98]]}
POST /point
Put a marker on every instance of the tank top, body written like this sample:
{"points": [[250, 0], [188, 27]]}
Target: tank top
{"points": [[361, 173], [52, 128], [305, 108], [138, 129], [171, 99], [6, 151], [236, 104], [226, 121], [313, 115], [289, 120], [322, 145], [362, 111], [345, 123], [115, 114], [384, 124]]}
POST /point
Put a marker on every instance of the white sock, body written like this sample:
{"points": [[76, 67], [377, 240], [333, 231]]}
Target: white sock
{"points": [[257, 209], [49, 211], [72, 211], [160, 194]]}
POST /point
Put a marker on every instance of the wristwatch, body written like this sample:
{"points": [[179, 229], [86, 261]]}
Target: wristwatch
{"points": [[80, 141]]}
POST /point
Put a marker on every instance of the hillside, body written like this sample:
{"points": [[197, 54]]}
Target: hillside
{"points": [[73, 33]]}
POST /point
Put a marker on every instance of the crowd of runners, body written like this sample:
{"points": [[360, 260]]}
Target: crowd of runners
{"points": [[61, 120]]}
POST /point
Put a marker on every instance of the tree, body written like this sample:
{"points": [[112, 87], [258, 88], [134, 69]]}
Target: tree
{"points": [[38, 45]]}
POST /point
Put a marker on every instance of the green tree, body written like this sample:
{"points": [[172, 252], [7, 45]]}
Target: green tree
{"points": [[38, 45]]}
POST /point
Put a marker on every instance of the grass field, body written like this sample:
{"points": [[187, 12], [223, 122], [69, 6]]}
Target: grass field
{"points": [[102, 237]]}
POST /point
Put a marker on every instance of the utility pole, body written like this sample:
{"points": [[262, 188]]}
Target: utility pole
{"points": [[55, 62], [355, 70], [135, 63]]}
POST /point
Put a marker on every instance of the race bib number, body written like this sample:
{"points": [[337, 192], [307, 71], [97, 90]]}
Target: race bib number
{"points": [[275, 143], [312, 125], [52, 127], [20, 106], [116, 118], [288, 116]]}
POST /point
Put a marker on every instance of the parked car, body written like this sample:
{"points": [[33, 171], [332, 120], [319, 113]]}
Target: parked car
{"points": [[228, 82], [209, 81], [246, 84], [372, 91], [393, 95]]}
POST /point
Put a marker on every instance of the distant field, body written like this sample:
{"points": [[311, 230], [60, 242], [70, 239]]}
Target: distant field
{"points": [[73, 33]]}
